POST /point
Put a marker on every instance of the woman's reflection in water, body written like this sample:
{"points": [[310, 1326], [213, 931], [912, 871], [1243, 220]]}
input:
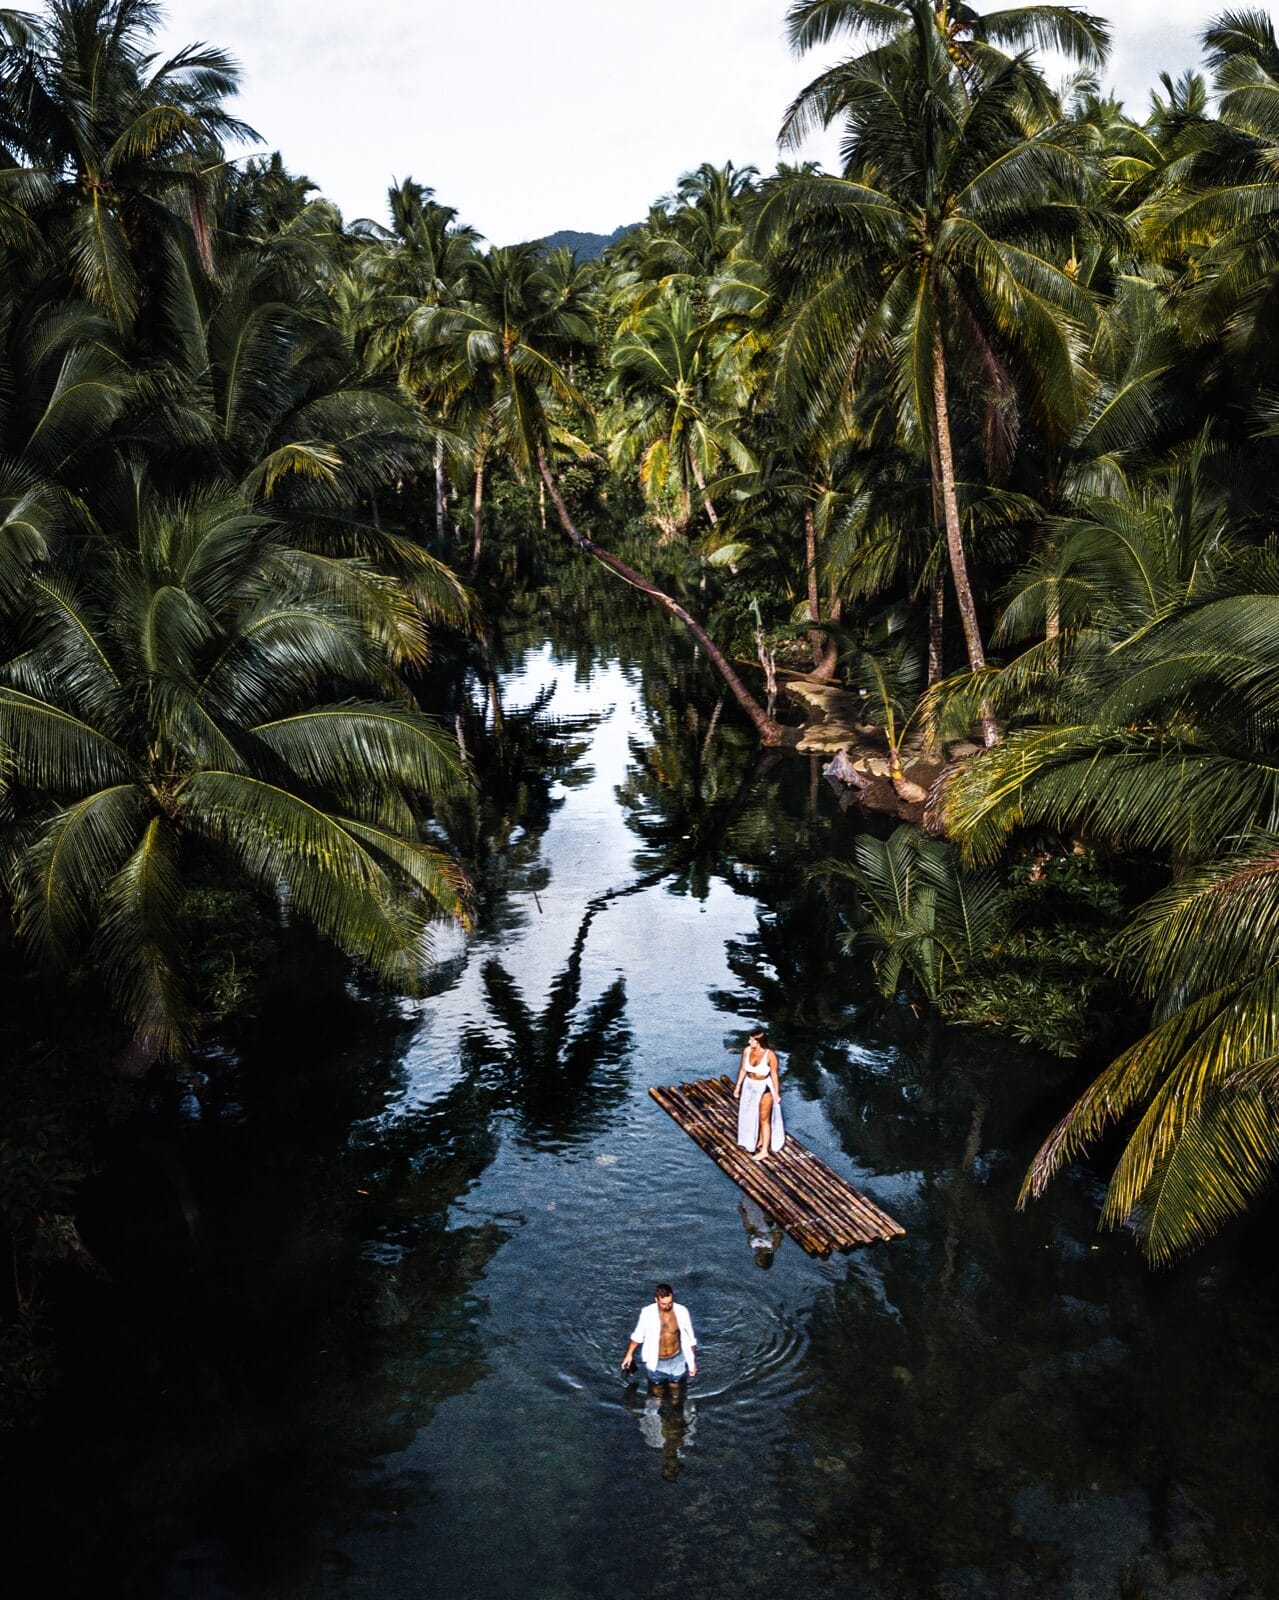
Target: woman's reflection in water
{"points": [[763, 1234]]}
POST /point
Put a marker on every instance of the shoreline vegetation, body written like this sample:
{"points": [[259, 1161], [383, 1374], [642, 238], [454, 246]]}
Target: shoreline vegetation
{"points": [[969, 450]]}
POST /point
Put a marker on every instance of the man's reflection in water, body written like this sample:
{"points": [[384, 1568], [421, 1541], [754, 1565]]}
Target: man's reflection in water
{"points": [[669, 1428], [763, 1234]]}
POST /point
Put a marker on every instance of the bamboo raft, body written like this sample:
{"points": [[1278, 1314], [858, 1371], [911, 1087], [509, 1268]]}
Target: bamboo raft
{"points": [[820, 1210]]}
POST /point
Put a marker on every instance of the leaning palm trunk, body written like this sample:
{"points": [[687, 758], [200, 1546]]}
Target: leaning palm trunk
{"points": [[830, 656], [937, 589], [439, 491], [954, 534], [770, 731]]}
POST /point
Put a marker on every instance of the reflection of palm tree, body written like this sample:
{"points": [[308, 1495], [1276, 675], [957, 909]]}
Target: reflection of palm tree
{"points": [[687, 787], [517, 767], [555, 1074]]}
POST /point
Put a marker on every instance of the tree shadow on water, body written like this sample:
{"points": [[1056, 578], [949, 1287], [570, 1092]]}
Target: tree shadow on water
{"points": [[559, 1077]]}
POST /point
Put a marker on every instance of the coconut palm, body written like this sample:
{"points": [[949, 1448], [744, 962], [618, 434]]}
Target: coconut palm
{"points": [[973, 40], [937, 253], [686, 240], [1165, 696], [177, 684], [507, 353], [65, 386], [130, 143], [1203, 1083], [1215, 213], [425, 259], [675, 419], [925, 917], [503, 355], [1086, 602]]}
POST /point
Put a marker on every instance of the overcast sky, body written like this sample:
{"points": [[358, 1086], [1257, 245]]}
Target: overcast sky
{"points": [[533, 115]]}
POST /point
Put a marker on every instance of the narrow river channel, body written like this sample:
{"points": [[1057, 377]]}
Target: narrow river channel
{"points": [[397, 1367]]}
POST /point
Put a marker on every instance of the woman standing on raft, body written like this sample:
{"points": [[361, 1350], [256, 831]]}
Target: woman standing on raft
{"points": [[759, 1099]]}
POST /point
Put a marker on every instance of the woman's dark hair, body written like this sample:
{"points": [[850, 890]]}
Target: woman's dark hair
{"points": [[760, 1034], [763, 1258]]}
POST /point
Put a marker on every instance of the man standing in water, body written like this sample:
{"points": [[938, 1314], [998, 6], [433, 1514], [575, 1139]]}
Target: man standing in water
{"points": [[666, 1342]]}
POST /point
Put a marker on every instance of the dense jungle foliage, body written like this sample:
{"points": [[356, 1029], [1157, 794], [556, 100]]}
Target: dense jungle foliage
{"points": [[984, 425]]}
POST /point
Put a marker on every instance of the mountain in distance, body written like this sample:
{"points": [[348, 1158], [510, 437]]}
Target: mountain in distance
{"points": [[585, 246]]}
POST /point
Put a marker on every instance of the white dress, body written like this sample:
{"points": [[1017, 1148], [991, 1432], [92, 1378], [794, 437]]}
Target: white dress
{"points": [[748, 1110]]}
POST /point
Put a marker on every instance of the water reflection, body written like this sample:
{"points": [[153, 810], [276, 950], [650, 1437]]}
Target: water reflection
{"points": [[666, 1425], [763, 1234], [560, 1077], [387, 1365]]}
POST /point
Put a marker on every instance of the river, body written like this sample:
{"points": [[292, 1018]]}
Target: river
{"points": [[391, 1366]]}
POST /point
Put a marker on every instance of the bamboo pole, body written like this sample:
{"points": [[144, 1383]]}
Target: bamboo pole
{"points": [[859, 1214], [749, 1178]]}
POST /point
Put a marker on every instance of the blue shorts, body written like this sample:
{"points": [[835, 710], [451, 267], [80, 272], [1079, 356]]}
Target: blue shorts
{"points": [[669, 1369]]}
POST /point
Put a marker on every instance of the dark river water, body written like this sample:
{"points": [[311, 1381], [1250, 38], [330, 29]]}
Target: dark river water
{"points": [[390, 1366]]}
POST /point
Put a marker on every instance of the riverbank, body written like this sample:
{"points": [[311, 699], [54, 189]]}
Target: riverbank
{"points": [[858, 763]]}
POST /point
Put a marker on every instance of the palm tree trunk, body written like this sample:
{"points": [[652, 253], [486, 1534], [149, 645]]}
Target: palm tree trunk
{"points": [[936, 631], [706, 499], [816, 638], [954, 534], [477, 532], [770, 731], [1052, 623], [439, 491], [830, 656], [492, 684]]}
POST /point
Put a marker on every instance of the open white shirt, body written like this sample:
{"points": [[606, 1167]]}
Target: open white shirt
{"points": [[648, 1333]]}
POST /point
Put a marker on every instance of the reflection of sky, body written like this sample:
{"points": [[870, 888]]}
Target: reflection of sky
{"points": [[995, 1405], [588, 850], [593, 1228]]}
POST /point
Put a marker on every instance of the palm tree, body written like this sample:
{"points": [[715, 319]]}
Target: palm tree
{"points": [[925, 917], [425, 260], [507, 351], [973, 40], [263, 198], [129, 143], [1163, 691], [938, 248], [503, 353], [66, 387], [673, 422], [1215, 213], [167, 691], [1086, 602], [686, 241], [1202, 1082]]}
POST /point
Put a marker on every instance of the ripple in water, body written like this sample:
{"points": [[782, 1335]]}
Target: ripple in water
{"points": [[752, 1351]]}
